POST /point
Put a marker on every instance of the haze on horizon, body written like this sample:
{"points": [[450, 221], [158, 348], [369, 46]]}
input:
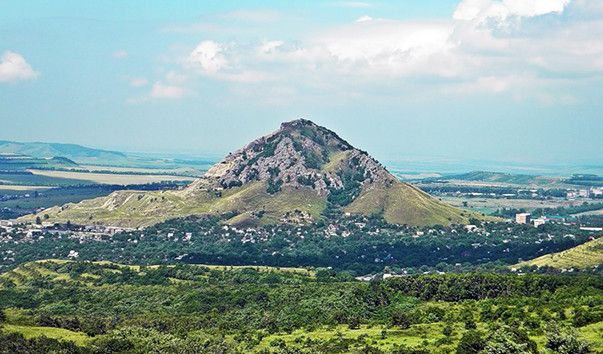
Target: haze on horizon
{"points": [[498, 80]]}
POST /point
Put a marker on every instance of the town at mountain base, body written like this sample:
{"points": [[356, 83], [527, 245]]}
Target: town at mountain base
{"points": [[299, 173]]}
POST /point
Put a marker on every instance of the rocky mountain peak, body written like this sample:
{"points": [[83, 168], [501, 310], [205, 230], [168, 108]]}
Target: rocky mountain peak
{"points": [[301, 153]]}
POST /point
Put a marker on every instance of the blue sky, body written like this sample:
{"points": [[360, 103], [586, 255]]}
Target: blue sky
{"points": [[500, 80]]}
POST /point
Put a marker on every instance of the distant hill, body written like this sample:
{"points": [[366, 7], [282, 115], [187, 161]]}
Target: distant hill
{"points": [[298, 173], [586, 255], [500, 177], [588, 180], [14, 162], [77, 153]]}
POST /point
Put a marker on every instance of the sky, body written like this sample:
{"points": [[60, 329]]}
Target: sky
{"points": [[515, 81]]}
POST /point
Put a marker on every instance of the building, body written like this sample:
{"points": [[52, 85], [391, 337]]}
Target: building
{"points": [[539, 221], [522, 218], [587, 228]]}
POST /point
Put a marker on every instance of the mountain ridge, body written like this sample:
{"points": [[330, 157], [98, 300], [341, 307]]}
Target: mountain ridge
{"points": [[75, 152]]}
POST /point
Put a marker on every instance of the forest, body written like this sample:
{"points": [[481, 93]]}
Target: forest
{"points": [[85, 307]]}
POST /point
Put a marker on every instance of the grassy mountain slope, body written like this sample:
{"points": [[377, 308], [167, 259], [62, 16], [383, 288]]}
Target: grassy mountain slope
{"points": [[292, 174], [401, 203], [586, 255], [143, 208]]}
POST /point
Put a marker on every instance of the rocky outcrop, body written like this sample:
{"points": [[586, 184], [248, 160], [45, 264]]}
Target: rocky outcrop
{"points": [[300, 153]]}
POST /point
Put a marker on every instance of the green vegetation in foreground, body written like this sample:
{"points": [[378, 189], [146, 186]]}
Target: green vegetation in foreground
{"points": [[110, 308], [586, 255]]}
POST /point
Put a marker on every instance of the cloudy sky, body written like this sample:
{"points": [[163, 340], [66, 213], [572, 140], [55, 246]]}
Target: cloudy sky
{"points": [[504, 80]]}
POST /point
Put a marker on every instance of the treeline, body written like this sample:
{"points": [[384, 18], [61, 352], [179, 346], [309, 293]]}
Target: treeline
{"points": [[567, 211]]}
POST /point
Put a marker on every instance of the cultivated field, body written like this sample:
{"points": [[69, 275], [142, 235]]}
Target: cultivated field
{"points": [[111, 178], [489, 205]]}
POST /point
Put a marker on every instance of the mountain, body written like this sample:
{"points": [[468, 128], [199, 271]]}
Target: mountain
{"points": [[586, 255], [298, 173], [13, 162], [77, 153]]}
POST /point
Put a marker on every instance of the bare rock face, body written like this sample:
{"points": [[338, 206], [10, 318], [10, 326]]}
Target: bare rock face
{"points": [[300, 153]]}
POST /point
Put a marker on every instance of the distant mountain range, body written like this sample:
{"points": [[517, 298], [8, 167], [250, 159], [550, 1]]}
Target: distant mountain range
{"points": [[299, 173], [14, 162], [77, 153], [91, 156]]}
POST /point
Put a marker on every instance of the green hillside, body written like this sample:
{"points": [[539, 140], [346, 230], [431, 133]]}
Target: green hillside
{"points": [[251, 203], [402, 203], [587, 255]]}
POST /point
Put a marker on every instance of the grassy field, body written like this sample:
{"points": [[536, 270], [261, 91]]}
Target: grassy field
{"points": [[110, 178], [8, 188], [24, 179], [380, 336], [586, 255], [78, 338], [143, 170]]}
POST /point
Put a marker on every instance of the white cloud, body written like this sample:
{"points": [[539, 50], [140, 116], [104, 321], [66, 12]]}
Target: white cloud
{"points": [[386, 44], [484, 10], [518, 47], [163, 91], [268, 47], [13, 67], [138, 81], [208, 56], [364, 18], [119, 54]]}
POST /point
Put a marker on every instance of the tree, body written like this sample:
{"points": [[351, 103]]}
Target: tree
{"points": [[2, 316], [503, 342], [564, 340], [472, 342], [447, 331], [38, 220]]}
